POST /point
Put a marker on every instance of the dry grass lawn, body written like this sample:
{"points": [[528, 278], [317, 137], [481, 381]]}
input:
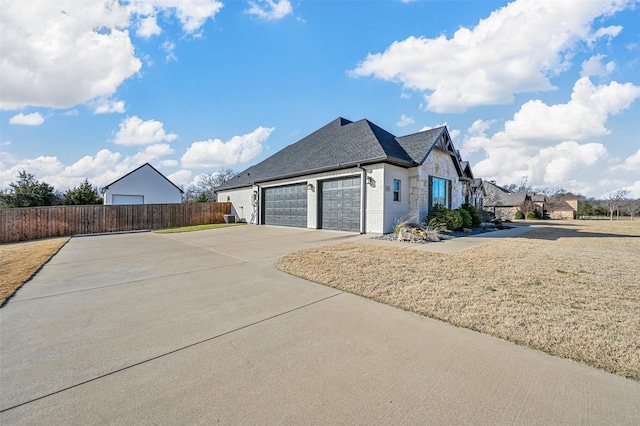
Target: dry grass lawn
{"points": [[571, 289], [19, 261]]}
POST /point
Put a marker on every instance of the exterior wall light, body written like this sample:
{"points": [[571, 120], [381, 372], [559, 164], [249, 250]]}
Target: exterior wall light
{"points": [[371, 182], [310, 187]]}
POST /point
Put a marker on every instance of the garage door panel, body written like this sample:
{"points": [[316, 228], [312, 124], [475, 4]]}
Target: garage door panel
{"points": [[341, 204], [127, 199], [286, 205]]}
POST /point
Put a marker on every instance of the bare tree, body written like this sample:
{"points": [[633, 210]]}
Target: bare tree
{"points": [[206, 186], [614, 200], [521, 186], [553, 193], [631, 207]]}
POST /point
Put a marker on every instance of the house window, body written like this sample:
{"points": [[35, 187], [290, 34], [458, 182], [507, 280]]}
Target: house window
{"points": [[439, 192], [396, 190]]}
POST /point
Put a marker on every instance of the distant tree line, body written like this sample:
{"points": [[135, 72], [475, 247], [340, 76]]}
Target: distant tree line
{"points": [[614, 204], [26, 191]]}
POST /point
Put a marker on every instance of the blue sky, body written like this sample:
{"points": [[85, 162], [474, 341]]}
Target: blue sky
{"points": [[545, 90]]}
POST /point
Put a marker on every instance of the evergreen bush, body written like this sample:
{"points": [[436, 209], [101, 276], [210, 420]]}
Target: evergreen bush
{"points": [[518, 215], [476, 217], [437, 216], [453, 220], [466, 217]]}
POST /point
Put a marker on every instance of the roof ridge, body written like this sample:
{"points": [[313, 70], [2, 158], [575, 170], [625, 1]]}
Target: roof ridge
{"points": [[140, 167]]}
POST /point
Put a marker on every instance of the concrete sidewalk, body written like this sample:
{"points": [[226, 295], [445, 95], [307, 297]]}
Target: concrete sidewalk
{"points": [[457, 244], [201, 328]]}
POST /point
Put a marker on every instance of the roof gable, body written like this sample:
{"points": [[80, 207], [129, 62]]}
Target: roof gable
{"points": [[414, 144], [559, 206], [569, 197], [135, 170]]}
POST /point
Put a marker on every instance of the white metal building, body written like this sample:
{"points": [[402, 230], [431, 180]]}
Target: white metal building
{"points": [[144, 185]]}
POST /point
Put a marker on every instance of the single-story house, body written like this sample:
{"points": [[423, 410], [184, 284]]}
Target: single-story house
{"points": [[564, 208], [504, 203], [353, 176], [144, 185]]}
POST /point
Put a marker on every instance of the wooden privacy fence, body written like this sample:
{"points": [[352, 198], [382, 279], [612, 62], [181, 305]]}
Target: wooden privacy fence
{"points": [[33, 223]]}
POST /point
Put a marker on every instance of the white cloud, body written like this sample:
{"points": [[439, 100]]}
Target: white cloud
{"points": [[554, 166], [480, 127], [634, 190], [169, 48], [215, 153], [594, 66], [516, 49], [192, 14], [158, 150], [181, 177], [59, 54], [631, 164], [608, 32], [552, 145], [270, 9], [169, 163], [66, 52], [584, 116], [104, 105], [134, 131], [33, 119], [405, 121], [147, 27]]}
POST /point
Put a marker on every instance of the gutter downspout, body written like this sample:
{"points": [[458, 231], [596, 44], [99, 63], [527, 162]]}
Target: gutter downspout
{"points": [[363, 200]]}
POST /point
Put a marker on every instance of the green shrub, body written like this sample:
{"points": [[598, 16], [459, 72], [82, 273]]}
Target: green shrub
{"points": [[518, 215], [533, 215], [437, 216], [476, 217], [443, 217], [466, 218], [453, 220]]}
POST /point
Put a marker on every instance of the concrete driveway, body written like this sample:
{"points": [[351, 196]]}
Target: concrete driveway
{"points": [[201, 328]]}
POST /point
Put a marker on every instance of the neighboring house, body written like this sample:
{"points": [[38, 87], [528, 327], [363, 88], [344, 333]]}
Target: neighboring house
{"points": [[565, 208], [353, 176], [144, 185], [504, 203]]}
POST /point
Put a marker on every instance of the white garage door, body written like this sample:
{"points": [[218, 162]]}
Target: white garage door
{"points": [[127, 199]]}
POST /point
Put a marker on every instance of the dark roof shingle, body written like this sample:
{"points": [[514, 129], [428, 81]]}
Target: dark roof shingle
{"points": [[339, 144]]}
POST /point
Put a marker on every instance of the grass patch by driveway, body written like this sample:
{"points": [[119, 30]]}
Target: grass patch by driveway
{"points": [[19, 261], [571, 289]]}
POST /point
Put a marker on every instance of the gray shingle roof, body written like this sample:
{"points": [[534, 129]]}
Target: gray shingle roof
{"points": [[559, 206], [340, 144], [497, 196], [414, 144]]}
